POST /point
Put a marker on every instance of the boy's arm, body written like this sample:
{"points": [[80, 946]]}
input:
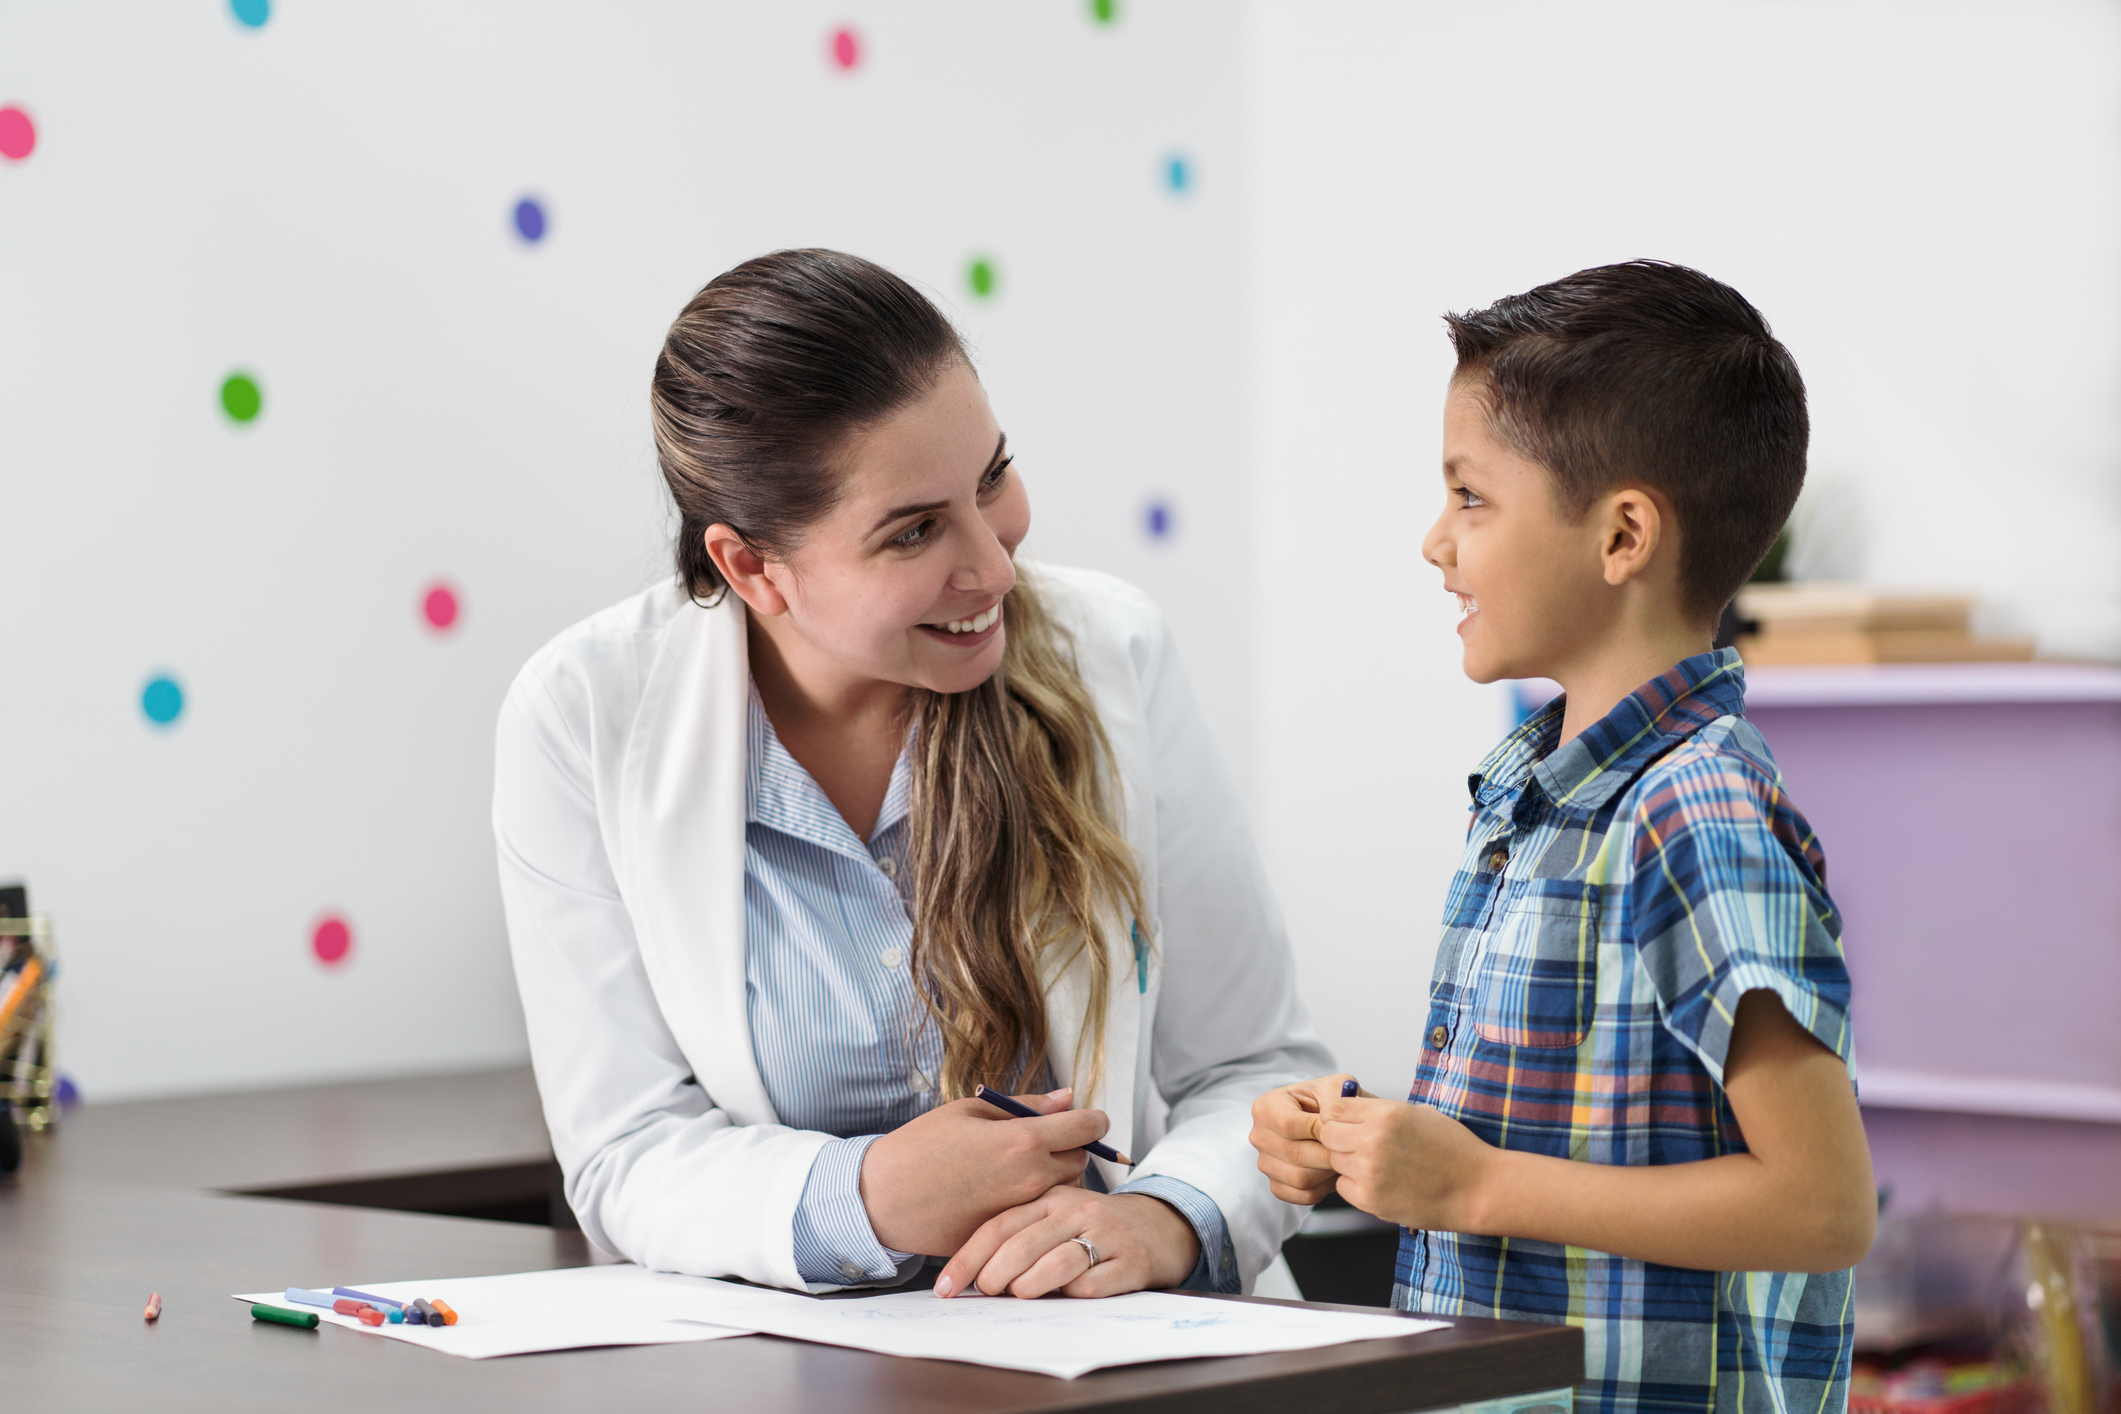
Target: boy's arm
{"points": [[1802, 1200]]}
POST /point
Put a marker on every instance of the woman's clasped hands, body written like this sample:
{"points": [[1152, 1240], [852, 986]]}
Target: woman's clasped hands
{"points": [[1005, 1196]]}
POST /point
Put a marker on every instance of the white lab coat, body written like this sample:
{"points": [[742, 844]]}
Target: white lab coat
{"points": [[619, 811]]}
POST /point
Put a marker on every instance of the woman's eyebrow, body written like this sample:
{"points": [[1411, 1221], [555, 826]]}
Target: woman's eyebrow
{"points": [[1001, 445]]}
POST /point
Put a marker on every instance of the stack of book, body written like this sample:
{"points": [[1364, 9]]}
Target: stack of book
{"points": [[1858, 623]]}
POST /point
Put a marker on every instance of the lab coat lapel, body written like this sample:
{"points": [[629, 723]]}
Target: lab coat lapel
{"points": [[683, 843], [1067, 1011]]}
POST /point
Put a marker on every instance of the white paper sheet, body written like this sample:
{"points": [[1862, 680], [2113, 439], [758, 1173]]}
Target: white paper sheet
{"points": [[527, 1312], [1058, 1336], [625, 1305]]}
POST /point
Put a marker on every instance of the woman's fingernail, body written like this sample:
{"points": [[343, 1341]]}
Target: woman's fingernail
{"points": [[944, 1286], [1061, 1094]]}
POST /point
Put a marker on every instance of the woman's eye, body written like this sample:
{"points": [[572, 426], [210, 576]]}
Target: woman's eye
{"points": [[914, 536], [994, 478]]}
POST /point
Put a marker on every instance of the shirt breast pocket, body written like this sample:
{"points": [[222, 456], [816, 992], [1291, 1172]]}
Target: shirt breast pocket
{"points": [[1538, 980]]}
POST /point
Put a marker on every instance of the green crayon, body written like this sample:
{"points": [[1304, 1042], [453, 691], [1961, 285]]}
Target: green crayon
{"points": [[307, 1320]]}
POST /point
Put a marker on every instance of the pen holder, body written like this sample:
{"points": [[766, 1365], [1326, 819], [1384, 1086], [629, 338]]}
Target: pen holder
{"points": [[27, 1078]]}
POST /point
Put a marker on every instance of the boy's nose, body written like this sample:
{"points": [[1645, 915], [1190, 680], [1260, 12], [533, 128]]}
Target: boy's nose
{"points": [[1436, 546]]}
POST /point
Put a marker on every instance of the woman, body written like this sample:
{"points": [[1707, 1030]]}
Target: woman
{"points": [[859, 814]]}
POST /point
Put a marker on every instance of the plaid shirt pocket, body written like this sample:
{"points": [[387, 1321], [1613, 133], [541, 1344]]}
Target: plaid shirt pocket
{"points": [[1538, 982]]}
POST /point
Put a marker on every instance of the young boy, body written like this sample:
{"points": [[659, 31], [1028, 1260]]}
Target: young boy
{"points": [[1633, 1111]]}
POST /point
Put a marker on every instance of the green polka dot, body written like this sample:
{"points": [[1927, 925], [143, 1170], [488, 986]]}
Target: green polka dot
{"points": [[1104, 11], [240, 397], [980, 275]]}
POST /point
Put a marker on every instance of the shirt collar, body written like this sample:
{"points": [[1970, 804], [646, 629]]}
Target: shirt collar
{"points": [[1589, 771], [781, 795]]}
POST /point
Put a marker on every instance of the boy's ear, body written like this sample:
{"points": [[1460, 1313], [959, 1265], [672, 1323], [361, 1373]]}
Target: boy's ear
{"points": [[1631, 527]]}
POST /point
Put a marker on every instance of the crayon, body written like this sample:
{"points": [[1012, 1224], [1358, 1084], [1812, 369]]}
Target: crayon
{"points": [[280, 1316], [369, 1316], [449, 1314], [395, 1314], [154, 1305], [303, 1296], [381, 1303], [427, 1313], [1022, 1111], [346, 1307]]}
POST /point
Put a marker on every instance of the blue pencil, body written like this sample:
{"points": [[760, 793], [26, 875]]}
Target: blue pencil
{"points": [[1022, 1111], [381, 1303]]}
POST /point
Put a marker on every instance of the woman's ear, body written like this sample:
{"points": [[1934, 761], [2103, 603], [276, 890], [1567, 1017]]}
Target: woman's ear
{"points": [[1631, 527], [745, 571]]}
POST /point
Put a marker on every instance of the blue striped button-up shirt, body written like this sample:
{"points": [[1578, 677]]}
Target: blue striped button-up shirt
{"points": [[836, 1027]]}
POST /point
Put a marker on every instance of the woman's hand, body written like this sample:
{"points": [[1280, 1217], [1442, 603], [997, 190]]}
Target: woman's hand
{"points": [[1285, 1131], [1141, 1242], [932, 1181]]}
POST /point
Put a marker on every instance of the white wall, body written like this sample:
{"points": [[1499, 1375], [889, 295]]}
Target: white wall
{"points": [[1925, 200], [326, 200]]}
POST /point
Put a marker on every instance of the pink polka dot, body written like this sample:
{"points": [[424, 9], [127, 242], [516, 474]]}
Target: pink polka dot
{"points": [[846, 47], [18, 135], [331, 940], [441, 607]]}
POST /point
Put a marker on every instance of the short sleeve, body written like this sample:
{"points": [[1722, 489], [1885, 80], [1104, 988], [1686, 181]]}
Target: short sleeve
{"points": [[1727, 895]]}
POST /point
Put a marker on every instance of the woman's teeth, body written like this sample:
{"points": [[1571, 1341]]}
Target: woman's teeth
{"points": [[978, 623]]}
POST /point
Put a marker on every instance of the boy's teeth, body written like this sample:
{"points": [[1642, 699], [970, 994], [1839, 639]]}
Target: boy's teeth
{"points": [[1467, 604], [978, 623]]}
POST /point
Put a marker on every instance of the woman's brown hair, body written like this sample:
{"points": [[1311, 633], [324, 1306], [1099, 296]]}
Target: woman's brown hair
{"points": [[1017, 865]]}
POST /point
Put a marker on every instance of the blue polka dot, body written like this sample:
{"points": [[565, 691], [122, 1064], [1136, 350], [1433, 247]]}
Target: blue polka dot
{"points": [[530, 220], [1178, 174], [252, 12], [162, 700], [1158, 521]]}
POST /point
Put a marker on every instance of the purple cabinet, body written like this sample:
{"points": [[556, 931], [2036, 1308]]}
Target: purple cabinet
{"points": [[1971, 817]]}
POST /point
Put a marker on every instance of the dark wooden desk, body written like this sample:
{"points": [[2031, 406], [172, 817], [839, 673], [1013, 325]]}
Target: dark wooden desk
{"points": [[117, 1203]]}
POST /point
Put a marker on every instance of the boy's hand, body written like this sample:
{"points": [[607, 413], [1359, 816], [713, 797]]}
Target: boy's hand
{"points": [[1285, 1131], [1405, 1163]]}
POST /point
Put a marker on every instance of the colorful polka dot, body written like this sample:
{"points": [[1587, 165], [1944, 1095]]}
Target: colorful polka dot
{"points": [[440, 607], [240, 397], [845, 48], [980, 275], [251, 12], [18, 135], [530, 219], [331, 939], [162, 700], [1158, 520], [1178, 174], [1104, 11]]}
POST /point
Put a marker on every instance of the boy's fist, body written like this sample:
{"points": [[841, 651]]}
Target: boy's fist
{"points": [[1406, 1163], [1285, 1131]]}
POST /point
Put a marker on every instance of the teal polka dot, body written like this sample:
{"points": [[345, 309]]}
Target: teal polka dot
{"points": [[253, 13], [162, 700]]}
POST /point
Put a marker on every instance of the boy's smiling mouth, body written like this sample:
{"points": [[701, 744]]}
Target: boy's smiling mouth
{"points": [[1468, 606]]}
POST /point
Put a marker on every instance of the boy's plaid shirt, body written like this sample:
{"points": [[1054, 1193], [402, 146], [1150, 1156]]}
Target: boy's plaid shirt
{"points": [[1617, 896]]}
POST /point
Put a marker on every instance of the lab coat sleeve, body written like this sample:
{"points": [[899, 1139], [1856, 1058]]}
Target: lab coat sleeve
{"points": [[655, 1171], [1229, 1025]]}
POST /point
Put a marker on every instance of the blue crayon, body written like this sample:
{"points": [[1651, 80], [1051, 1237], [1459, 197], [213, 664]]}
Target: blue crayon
{"points": [[1348, 1089], [395, 1315], [381, 1303], [303, 1296]]}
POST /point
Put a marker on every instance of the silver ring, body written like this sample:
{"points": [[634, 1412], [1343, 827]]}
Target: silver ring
{"points": [[1088, 1246]]}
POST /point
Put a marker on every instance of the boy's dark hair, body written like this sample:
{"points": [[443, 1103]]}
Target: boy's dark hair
{"points": [[1650, 374]]}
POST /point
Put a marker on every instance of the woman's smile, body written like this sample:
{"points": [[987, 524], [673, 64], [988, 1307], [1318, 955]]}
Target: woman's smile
{"points": [[968, 632]]}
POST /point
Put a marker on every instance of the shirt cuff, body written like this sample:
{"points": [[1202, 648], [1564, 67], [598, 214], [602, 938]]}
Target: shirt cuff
{"points": [[1216, 1270], [834, 1242]]}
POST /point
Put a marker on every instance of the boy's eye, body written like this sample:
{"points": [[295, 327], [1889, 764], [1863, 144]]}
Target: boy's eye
{"points": [[1468, 495], [914, 537]]}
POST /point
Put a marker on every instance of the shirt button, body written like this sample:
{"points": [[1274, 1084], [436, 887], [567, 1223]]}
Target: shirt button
{"points": [[1499, 858], [852, 1270], [1438, 1038], [891, 957], [889, 866], [917, 1083]]}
